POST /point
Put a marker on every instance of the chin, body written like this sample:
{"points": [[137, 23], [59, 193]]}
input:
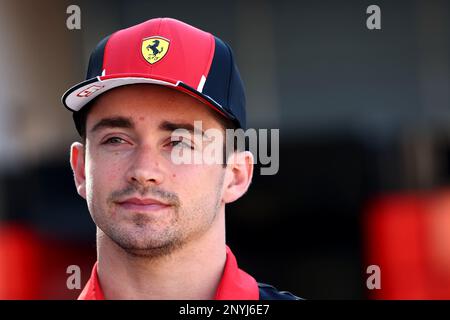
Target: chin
{"points": [[149, 248], [147, 236]]}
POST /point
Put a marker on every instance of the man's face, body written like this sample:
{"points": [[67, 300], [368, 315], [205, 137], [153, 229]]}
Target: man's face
{"points": [[136, 195]]}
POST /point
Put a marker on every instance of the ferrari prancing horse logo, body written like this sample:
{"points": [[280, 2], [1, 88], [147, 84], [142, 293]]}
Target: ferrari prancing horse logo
{"points": [[154, 49]]}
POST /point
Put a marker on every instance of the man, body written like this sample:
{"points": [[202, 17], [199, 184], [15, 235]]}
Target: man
{"points": [[161, 224]]}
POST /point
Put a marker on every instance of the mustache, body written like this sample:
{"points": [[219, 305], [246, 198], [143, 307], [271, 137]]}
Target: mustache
{"points": [[146, 191]]}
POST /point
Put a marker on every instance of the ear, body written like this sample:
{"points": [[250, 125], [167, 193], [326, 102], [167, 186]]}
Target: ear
{"points": [[239, 175], [78, 167]]}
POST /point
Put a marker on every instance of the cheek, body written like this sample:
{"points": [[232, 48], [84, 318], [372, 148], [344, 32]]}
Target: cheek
{"points": [[102, 175], [196, 181]]}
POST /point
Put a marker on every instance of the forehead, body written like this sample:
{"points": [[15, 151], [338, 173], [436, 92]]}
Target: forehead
{"points": [[152, 103]]}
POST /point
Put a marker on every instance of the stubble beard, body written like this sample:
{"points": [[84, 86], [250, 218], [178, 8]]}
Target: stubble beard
{"points": [[172, 238]]}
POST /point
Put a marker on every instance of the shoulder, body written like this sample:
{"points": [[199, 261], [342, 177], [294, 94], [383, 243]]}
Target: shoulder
{"points": [[268, 292]]}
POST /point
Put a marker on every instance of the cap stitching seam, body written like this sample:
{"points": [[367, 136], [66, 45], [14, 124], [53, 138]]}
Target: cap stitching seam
{"points": [[157, 33], [210, 58]]}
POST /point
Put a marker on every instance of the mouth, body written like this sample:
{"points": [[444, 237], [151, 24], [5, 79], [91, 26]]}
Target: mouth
{"points": [[142, 205]]}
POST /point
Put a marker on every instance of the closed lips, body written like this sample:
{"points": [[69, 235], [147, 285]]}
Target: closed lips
{"points": [[145, 201], [142, 204]]}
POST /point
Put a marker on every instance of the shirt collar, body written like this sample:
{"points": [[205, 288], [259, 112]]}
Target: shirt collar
{"points": [[235, 283]]}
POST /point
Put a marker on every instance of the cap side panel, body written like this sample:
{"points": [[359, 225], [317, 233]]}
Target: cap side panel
{"points": [[216, 84], [95, 67], [236, 94]]}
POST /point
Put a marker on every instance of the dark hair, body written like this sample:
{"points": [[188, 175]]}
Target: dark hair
{"points": [[80, 118]]}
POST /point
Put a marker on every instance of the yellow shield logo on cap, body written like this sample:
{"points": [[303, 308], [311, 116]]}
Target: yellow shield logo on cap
{"points": [[154, 49]]}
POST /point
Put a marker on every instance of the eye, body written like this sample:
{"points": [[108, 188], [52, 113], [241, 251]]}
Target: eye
{"points": [[114, 141], [181, 143]]}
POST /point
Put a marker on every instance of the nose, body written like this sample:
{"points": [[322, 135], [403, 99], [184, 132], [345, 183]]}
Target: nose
{"points": [[145, 167]]}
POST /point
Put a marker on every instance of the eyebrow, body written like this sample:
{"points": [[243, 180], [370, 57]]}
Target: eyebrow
{"points": [[123, 122], [172, 126], [114, 122]]}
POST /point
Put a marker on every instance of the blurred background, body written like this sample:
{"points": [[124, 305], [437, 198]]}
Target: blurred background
{"points": [[364, 119]]}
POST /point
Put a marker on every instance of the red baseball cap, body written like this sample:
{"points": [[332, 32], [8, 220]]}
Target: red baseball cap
{"points": [[166, 52]]}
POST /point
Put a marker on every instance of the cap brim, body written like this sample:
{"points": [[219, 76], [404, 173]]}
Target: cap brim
{"points": [[81, 94]]}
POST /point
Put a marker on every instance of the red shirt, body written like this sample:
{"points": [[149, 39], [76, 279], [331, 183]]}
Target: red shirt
{"points": [[235, 284]]}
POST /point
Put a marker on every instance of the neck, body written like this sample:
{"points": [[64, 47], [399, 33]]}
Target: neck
{"points": [[191, 272]]}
